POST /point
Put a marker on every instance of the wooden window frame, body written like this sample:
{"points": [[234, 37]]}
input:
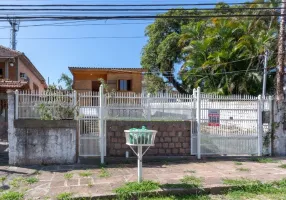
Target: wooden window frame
{"points": [[130, 85]]}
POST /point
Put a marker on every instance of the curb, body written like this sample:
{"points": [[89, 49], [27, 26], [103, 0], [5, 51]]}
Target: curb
{"points": [[167, 192]]}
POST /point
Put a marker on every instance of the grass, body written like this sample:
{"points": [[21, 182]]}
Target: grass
{"points": [[85, 174], [16, 182], [186, 182], [68, 176], [126, 191], [283, 166], [190, 171], [90, 184], [263, 160], [238, 163], [243, 189], [64, 196], [31, 180], [104, 173], [242, 169], [11, 195], [2, 179]]}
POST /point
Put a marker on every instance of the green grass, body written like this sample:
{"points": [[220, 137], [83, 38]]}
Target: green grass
{"points": [[16, 182], [186, 182], [283, 166], [85, 174], [263, 160], [129, 189], [238, 163], [11, 195], [104, 173], [68, 176], [242, 169], [64, 196], [241, 181], [2, 179], [31, 180], [190, 171]]}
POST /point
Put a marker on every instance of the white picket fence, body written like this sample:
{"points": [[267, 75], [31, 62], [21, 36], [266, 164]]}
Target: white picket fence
{"points": [[221, 125]]}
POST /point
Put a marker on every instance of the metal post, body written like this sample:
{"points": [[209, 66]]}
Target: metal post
{"points": [[75, 103], [101, 123], [271, 123], [148, 107], [139, 164], [16, 104], [198, 116], [14, 29], [264, 74], [259, 125]]}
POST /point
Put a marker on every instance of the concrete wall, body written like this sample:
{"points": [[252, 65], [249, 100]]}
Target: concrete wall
{"points": [[42, 142], [172, 139]]}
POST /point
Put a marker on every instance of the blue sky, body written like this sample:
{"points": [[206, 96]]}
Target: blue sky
{"points": [[52, 57]]}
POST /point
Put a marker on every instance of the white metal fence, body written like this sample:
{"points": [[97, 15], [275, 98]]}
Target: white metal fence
{"points": [[221, 125]]}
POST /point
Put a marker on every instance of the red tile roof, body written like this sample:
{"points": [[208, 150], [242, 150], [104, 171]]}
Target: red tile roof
{"points": [[107, 68], [7, 52], [8, 84]]}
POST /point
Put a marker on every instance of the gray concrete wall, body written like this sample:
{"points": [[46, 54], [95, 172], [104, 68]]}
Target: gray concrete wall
{"points": [[35, 142], [40, 142]]}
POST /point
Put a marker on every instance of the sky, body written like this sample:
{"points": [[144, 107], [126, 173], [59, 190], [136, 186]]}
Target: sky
{"points": [[53, 57]]}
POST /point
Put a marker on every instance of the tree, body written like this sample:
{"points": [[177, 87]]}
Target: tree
{"points": [[67, 81], [222, 55]]}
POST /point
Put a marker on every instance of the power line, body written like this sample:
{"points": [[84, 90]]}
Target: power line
{"points": [[129, 5], [74, 38]]}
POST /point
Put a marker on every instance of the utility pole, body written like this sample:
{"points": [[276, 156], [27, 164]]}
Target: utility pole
{"points": [[14, 29], [281, 56], [264, 74]]}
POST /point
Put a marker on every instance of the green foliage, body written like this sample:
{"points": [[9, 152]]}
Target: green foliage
{"points": [[238, 163], [242, 169], [68, 175], [263, 160], [11, 195], [16, 182], [31, 180], [2, 179], [65, 196], [134, 188], [221, 55], [241, 182], [85, 174], [67, 81], [186, 182], [283, 166], [104, 173]]}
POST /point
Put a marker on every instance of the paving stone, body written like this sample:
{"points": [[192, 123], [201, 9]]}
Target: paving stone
{"points": [[73, 182], [55, 184]]}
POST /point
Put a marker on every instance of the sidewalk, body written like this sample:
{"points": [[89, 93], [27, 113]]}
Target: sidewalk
{"points": [[88, 180]]}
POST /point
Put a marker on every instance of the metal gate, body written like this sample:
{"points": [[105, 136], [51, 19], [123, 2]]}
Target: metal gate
{"points": [[227, 125], [92, 140]]}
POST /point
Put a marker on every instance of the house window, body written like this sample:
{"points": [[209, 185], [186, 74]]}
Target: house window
{"points": [[124, 85], [1, 73]]}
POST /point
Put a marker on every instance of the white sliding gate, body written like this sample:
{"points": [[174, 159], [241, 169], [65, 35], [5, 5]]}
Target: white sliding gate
{"points": [[228, 125]]}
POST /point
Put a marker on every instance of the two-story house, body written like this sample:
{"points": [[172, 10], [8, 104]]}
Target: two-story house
{"points": [[118, 79], [16, 72]]}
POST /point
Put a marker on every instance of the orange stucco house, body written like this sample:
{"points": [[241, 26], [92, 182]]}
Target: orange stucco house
{"points": [[16, 72], [118, 79]]}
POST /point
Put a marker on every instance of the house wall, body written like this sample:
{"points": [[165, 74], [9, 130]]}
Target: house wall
{"points": [[22, 68], [42, 142], [172, 138], [83, 80]]}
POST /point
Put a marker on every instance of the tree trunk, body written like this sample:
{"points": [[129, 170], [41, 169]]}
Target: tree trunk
{"points": [[279, 143]]}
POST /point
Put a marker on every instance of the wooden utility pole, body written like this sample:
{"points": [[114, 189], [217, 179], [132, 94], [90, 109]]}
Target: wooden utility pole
{"points": [[281, 56]]}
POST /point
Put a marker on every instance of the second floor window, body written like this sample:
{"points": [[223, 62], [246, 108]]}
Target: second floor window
{"points": [[124, 85]]}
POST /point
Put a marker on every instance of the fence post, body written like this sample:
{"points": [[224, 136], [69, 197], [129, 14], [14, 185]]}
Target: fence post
{"points": [[101, 123], [75, 103], [259, 125], [148, 107], [198, 116], [270, 123], [16, 104]]}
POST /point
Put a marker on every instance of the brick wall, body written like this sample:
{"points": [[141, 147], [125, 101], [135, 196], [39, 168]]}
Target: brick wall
{"points": [[172, 139]]}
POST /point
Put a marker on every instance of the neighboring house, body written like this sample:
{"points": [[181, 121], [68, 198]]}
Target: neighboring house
{"points": [[16, 72], [118, 79]]}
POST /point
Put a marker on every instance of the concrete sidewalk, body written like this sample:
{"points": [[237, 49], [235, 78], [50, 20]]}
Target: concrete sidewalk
{"points": [[88, 180]]}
